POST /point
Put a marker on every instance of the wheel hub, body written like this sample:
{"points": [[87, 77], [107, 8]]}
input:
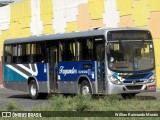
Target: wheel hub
{"points": [[85, 90], [33, 90]]}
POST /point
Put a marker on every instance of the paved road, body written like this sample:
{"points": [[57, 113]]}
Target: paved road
{"points": [[24, 100], [21, 98]]}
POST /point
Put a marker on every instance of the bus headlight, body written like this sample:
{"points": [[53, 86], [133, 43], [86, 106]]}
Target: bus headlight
{"points": [[114, 80], [152, 79]]}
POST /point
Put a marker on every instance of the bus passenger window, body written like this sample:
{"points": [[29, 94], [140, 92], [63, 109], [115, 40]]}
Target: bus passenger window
{"points": [[14, 54], [28, 52], [8, 54], [23, 53], [38, 52], [67, 50], [85, 49]]}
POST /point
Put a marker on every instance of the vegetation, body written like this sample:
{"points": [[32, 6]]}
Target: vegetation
{"points": [[107, 103], [13, 106], [88, 103]]}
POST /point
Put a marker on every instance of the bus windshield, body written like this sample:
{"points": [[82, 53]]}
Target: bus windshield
{"points": [[129, 56]]}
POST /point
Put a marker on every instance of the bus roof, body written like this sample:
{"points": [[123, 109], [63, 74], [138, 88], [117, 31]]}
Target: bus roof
{"points": [[46, 37]]}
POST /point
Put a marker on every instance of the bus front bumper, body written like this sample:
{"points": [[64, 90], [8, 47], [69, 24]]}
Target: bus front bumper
{"points": [[131, 88]]}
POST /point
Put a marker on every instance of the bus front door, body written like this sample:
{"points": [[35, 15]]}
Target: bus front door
{"points": [[100, 50], [52, 57]]}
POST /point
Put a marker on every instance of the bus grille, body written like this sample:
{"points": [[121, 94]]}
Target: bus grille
{"points": [[137, 87], [134, 76]]}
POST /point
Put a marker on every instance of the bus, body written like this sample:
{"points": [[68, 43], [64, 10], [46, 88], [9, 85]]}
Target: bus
{"points": [[94, 62]]}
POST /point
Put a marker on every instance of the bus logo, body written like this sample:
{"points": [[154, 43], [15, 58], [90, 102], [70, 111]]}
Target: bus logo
{"points": [[134, 82], [136, 65], [67, 71]]}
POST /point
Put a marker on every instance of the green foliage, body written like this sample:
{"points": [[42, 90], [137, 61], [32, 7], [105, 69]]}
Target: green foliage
{"points": [[13, 106], [104, 103], [70, 103], [88, 103]]}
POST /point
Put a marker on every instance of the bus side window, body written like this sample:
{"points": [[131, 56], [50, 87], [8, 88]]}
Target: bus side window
{"points": [[8, 54], [67, 50], [23, 53], [28, 53], [38, 52], [88, 49], [14, 54], [84, 49]]}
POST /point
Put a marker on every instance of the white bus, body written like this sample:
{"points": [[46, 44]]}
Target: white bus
{"points": [[101, 61]]}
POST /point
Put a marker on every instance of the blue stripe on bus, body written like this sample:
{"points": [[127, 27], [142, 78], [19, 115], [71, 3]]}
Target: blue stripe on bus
{"points": [[12, 76], [11, 73], [138, 77]]}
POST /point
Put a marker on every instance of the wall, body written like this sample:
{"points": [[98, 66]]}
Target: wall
{"points": [[32, 17]]}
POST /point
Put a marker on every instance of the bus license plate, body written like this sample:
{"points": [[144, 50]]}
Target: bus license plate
{"points": [[151, 87]]}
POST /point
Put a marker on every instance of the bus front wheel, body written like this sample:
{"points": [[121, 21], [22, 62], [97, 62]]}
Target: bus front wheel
{"points": [[33, 89], [85, 88]]}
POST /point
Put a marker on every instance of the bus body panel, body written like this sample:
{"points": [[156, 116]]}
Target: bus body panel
{"points": [[23, 86], [18, 75], [21, 72], [73, 87], [119, 89], [70, 71], [69, 74], [131, 83]]}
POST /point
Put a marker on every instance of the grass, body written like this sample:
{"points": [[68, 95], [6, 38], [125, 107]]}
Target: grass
{"points": [[88, 103], [13, 106], [108, 103]]}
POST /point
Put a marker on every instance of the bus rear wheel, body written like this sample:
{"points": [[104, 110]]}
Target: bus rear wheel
{"points": [[85, 88], [33, 89]]}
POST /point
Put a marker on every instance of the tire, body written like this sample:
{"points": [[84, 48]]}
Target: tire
{"points": [[85, 88], [33, 89], [128, 96]]}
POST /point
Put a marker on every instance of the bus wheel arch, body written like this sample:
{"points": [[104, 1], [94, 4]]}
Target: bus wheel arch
{"points": [[84, 86], [33, 88]]}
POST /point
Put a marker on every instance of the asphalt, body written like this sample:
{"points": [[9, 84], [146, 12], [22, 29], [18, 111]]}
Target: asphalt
{"points": [[20, 98]]}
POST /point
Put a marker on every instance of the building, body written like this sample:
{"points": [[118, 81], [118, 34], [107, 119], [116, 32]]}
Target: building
{"points": [[32, 17]]}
